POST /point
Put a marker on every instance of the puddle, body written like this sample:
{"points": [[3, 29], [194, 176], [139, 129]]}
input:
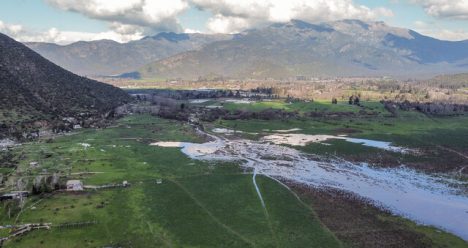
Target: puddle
{"points": [[296, 139], [378, 144], [214, 107], [228, 131], [225, 131], [199, 101], [425, 199]]}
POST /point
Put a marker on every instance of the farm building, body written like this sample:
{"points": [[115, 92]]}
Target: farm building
{"points": [[74, 185]]}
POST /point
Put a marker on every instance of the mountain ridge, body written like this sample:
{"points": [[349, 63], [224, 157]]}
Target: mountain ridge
{"points": [[108, 57], [339, 48]]}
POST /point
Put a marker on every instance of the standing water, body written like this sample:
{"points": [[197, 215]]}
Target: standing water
{"points": [[429, 200]]}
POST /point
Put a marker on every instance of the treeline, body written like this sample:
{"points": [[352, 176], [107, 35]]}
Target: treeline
{"points": [[257, 93], [211, 115], [429, 108]]}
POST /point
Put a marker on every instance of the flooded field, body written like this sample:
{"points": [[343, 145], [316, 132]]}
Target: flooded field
{"points": [[304, 139], [429, 200]]}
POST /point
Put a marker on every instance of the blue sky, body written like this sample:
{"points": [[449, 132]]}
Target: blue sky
{"points": [[68, 20]]}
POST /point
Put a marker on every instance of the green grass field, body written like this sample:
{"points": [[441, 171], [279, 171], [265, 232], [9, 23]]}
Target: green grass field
{"points": [[198, 204]]}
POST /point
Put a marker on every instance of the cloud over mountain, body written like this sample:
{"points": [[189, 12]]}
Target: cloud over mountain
{"points": [[159, 15], [54, 35], [133, 19], [229, 16], [453, 9], [234, 16]]}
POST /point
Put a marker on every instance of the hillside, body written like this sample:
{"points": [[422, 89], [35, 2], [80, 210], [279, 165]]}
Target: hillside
{"points": [[106, 57], [451, 80], [36, 93], [297, 48]]}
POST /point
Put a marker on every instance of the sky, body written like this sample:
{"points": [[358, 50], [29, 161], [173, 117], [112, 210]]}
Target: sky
{"points": [[67, 21]]}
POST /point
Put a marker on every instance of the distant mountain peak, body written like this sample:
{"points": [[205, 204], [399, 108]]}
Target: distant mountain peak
{"points": [[107, 57], [303, 25], [362, 24], [170, 36], [337, 48]]}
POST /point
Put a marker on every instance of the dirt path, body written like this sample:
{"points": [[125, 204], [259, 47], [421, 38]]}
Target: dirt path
{"points": [[267, 215], [215, 219], [460, 171], [257, 189], [167, 242], [452, 151]]}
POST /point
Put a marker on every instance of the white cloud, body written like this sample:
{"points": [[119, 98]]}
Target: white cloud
{"points": [[10, 29], [152, 15], [433, 30], [64, 37], [234, 15], [229, 24], [192, 31], [127, 19], [453, 9], [130, 19], [228, 15]]}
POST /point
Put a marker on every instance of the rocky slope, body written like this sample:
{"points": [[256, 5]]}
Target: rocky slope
{"points": [[35, 93]]}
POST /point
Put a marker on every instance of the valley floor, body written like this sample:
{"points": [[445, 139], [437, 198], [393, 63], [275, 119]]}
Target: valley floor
{"points": [[176, 201]]}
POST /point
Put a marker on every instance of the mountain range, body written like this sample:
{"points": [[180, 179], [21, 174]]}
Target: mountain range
{"points": [[281, 50], [35, 92], [341, 48], [107, 57]]}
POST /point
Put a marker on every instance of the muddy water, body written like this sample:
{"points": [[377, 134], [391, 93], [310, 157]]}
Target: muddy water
{"points": [[425, 199]]}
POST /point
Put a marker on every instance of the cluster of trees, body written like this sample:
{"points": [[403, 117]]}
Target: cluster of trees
{"points": [[354, 99], [256, 93], [7, 159], [430, 108], [46, 184]]}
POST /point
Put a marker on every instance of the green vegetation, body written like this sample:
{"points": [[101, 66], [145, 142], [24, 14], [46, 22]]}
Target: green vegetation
{"points": [[295, 106], [208, 204], [198, 204]]}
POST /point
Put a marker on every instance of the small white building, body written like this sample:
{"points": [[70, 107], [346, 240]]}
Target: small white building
{"points": [[74, 185]]}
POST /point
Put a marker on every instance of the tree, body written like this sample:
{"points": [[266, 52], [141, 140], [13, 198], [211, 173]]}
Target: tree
{"points": [[356, 101]]}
